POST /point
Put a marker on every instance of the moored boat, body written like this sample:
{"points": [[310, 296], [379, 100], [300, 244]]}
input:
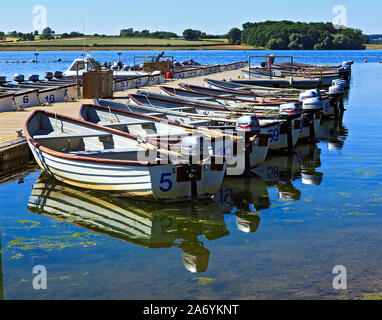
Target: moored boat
{"points": [[225, 141], [94, 157]]}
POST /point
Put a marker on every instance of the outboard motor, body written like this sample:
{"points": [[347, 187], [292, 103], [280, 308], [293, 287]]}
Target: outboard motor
{"points": [[34, 78], [249, 126], [310, 94], [341, 82], [58, 75], [312, 104], [3, 80], [195, 149], [18, 78], [344, 71], [48, 76], [336, 90], [195, 146], [289, 109]]}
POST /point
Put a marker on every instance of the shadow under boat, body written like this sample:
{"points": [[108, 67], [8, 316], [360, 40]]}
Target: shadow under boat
{"points": [[136, 222]]}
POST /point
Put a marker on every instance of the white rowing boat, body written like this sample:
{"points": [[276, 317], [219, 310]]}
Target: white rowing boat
{"points": [[94, 157]]}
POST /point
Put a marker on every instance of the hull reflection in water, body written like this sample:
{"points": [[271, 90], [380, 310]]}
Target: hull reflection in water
{"points": [[243, 195], [334, 133], [143, 224]]}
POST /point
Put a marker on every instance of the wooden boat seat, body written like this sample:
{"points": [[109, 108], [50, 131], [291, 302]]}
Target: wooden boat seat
{"points": [[103, 152], [198, 122], [116, 124], [182, 108], [73, 135]]}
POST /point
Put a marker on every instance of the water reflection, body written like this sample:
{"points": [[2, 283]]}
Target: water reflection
{"points": [[147, 225], [247, 194], [334, 133], [185, 226]]}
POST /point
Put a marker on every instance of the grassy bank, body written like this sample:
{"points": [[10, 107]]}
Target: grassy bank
{"points": [[117, 43], [373, 46]]}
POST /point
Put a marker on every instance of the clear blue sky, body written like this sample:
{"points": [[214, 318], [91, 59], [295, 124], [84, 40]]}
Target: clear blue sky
{"points": [[211, 16]]}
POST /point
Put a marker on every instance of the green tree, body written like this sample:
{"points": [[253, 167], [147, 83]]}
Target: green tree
{"points": [[190, 34], [126, 33], [234, 36], [47, 34]]}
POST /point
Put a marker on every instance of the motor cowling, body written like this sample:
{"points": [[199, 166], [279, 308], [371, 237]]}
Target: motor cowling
{"points": [[310, 94], [19, 78], [195, 146], [3, 80], [312, 104], [289, 109], [48, 75], [58, 75], [340, 82], [337, 89], [34, 78], [248, 124]]}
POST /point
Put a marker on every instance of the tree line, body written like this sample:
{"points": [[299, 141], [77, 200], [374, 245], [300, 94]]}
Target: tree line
{"points": [[273, 35], [288, 35]]}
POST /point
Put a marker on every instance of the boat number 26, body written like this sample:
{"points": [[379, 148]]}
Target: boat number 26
{"points": [[165, 182]]}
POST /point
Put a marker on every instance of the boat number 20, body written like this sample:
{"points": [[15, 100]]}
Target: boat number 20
{"points": [[275, 134], [165, 183]]}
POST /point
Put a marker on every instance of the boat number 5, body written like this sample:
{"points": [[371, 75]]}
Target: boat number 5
{"points": [[166, 184]]}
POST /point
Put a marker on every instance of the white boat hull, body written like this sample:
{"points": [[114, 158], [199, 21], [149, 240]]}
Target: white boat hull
{"points": [[160, 182]]}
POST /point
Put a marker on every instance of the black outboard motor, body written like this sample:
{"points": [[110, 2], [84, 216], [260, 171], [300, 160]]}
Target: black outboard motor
{"points": [[3, 80], [19, 78], [58, 75], [48, 76], [34, 78]]}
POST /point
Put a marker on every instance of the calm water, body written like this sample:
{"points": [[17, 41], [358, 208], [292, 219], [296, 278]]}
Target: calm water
{"points": [[277, 234]]}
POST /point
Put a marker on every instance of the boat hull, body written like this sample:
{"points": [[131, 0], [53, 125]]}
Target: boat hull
{"points": [[159, 182]]}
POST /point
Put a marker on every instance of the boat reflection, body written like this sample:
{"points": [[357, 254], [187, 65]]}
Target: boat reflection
{"points": [[145, 224], [334, 133], [250, 194]]}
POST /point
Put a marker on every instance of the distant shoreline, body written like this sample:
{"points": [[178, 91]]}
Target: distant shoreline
{"points": [[142, 47], [125, 47]]}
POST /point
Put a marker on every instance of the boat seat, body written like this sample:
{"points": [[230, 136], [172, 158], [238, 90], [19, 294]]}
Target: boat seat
{"points": [[104, 151], [116, 124], [198, 122], [73, 135], [181, 108]]}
